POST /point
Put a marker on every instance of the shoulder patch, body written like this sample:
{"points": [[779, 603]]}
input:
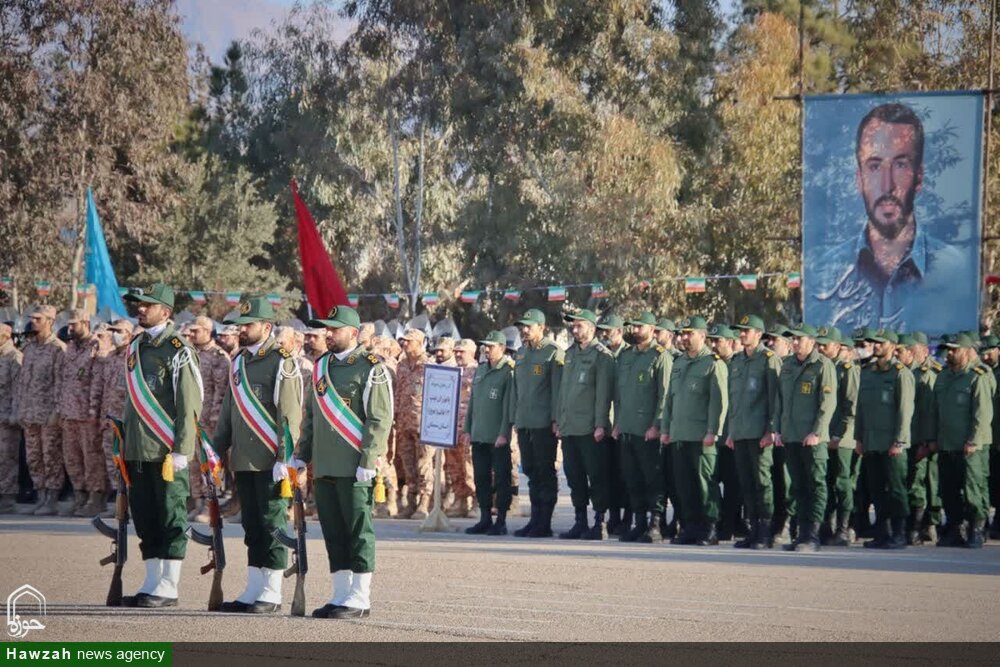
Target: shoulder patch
{"points": [[979, 370], [177, 342], [372, 358], [768, 353], [848, 364], [899, 366], [284, 353], [660, 349], [936, 366], [717, 357]]}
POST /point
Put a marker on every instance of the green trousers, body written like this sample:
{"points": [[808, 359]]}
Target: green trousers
{"points": [[538, 458], [730, 491], [159, 510], [262, 509], [839, 486], [887, 484], [344, 506], [618, 495], [784, 496], [807, 467], [922, 485], [491, 469], [585, 463], [964, 485], [754, 465], [694, 472], [670, 481], [862, 497], [641, 466]]}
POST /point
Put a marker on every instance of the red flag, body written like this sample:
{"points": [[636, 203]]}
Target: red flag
{"points": [[323, 287]]}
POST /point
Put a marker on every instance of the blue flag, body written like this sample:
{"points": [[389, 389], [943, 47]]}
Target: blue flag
{"points": [[99, 270]]}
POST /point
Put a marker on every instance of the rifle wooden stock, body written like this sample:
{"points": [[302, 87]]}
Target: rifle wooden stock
{"points": [[299, 598], [114, 598], [215, 596]]}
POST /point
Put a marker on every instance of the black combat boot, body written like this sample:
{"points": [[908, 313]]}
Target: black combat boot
{"points": [[499, 526], [653, 534], [897, 536], [669, 530], [842, 537], [884, 534], [579, 526], [763, 539], [951, 535], [526, 528], [708, 536], [916, 520], [614, 521], [599, 531], [627, 518], [747, 542], [808, 538], [544, 526], [686, 535], [640, 528], [976, 536], [794, 531], [485, 523], [994, 533], [828, 529]]}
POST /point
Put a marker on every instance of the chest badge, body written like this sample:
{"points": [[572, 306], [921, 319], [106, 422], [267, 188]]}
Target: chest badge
{"points": [[536, 369], [806, 388], [494, 394]]}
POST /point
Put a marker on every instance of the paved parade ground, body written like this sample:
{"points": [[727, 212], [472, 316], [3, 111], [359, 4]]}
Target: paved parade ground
{"points": [[434, 587]]}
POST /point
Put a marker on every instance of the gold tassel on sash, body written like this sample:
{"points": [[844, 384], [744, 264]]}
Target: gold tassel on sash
{"points": [[286, 488], [379, 492], [168, 468]]}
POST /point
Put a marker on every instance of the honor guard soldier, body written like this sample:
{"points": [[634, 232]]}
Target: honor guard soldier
{"points": [[808, 401], [962, 422], [264, 394], [344, 435], [693, 417], [753, 414], [583, 418], [164, 401], [641, 388]]}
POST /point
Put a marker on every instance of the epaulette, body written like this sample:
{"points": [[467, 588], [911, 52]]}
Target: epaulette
{"points": [[373, 359], [660, 349], [848, 364], [717, 357], [936, 366], [899, 366], [284, 353], [768, 353], [979, 370], [177, 342]]}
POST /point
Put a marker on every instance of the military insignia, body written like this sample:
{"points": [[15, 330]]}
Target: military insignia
{"points": [[642, 377], [176, 342], [979, 370], [716, 357], [346, 401], [81, 374], [494, 394], [660, 349], [261, 352], [848, 364], [351, 359], [372, 358], [827, 389], [822, 331], [536, 369], [768, 354], [285, 353], [321, 386], [236, 378], [745, 319], [686, 323], [258, 391], [715, 330], [899, 366], [806, 388], [333, 312], [244, 308], [131, 362]]}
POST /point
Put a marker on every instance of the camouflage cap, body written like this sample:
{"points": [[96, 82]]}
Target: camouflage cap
{"points": [[229, 330], [76, 316], [44, 311], [466, 344], [414, 334], [121, 326], [202, 322], [443, 343]]}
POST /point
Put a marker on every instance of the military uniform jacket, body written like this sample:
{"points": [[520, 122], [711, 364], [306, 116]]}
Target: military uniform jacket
{"points": [[753, 394], [491, 404], [275, 381], [537, 372], [963, 404], [10, 368], [641, 388], [697, 398], [924, 377], [808, 397], [885, 406], [848, 385], [170, 368], [365, 385], [586, 389], [40, 381]]}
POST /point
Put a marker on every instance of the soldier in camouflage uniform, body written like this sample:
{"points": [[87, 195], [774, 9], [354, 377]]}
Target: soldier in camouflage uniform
{"points": [[387, 351], [417, 459], [38, 387], [10, 432], [214, 364], [458, 459], [108, 391]]}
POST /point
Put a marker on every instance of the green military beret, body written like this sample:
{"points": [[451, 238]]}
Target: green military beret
{"points": [[159, 293], [494, 338], [919, 338], [340, 316], [646, 318], [611, 322], [695, 322], [990, 342], [750, 322], [827, 335], [532, 316], [722, 331], [585, 315], [958, 340], [803, 331], [666, 324], [257, 309], [883, 336]]}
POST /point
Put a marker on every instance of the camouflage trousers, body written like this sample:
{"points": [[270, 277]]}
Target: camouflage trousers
{"points": [[108, 445], [418, 463], [388, 472], [515, 460], [44, 454], [83, 455], [458, 471], [10, 443]]}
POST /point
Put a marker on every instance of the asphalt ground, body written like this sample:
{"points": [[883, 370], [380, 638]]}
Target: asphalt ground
{"points": [[454, 587]]}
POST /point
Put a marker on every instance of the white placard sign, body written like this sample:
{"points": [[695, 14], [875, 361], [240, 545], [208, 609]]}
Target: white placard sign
{"points": [[439, 408]]}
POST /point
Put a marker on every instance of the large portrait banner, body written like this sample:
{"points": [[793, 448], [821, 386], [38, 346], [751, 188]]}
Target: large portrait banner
{"points": [[891, 206]]}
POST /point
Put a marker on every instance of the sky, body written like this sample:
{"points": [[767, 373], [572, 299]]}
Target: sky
{"points": [[216, 23]]}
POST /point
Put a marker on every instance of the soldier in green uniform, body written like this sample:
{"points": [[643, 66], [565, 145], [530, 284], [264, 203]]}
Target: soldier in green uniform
{"points": [[913, 346], [753, 412], [694, 414], [864, 350], [840, 492], [991, 357], [265, 392], [962, 422], [641, 387], [779, 341], [808, 400], [487, 427], [882, 435], [724, 342], [583, 419], [164, 400], [665, 336], [611, 329], [344, 435], [538, 368]]}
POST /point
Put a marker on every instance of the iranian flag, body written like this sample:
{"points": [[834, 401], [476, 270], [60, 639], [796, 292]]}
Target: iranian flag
{"points": [[198, 297], [275, 299], [557, 294], [597, 291], [430, 299], [43, 287], [470, 296], [794, 279], [392, 300], [512, 295], [352, 300], [6, 282], [748, 280], [694, 284], [232, 298]]}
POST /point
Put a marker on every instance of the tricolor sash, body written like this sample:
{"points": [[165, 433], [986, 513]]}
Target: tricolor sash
{"points": [[250, 408], [146, 406], [336, 412]]}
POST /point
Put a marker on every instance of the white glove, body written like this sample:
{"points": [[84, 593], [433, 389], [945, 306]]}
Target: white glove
{"points": [[180, 462], [279, 471], [364, 474]]}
